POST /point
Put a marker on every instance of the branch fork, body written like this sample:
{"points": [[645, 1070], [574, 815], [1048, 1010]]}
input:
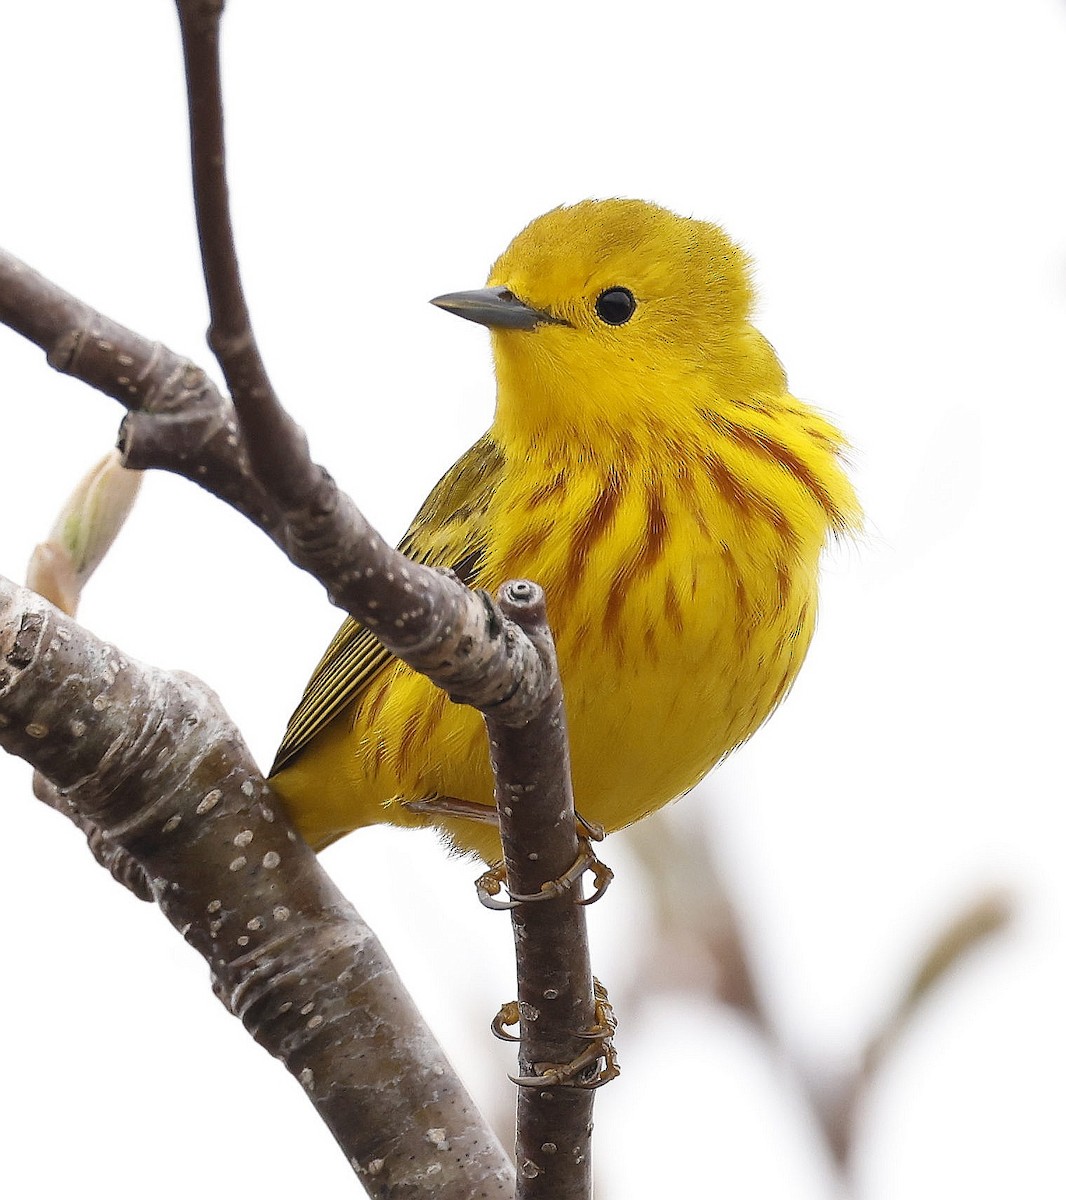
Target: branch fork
{"points": [[149, 765]]}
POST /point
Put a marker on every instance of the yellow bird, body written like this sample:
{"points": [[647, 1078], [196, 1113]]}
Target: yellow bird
{"points": [[648, 467]]}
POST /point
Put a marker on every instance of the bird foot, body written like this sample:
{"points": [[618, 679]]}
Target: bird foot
{"points": [[578, 1072], [593, 830], [509, 1014], [492, 882]]}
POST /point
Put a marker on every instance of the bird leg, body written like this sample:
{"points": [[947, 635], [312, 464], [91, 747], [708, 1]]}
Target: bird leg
{"points": [[452, 806], [593, 830]]}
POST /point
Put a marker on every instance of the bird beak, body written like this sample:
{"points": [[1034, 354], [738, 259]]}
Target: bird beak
{"points": [[496, 307]]}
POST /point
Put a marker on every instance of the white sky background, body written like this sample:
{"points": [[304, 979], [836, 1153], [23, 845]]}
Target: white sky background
{"points": [[898, 173]]}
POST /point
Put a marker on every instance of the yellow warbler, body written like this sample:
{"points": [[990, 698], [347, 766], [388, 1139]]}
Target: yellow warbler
{"points": [[648, 467]]}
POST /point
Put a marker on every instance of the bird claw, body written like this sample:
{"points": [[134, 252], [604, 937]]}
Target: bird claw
{"points": [[492, 882], [594, 831], [606, 1022], [509, 1014], [575, 1074], [601, 876], [489, 887]]}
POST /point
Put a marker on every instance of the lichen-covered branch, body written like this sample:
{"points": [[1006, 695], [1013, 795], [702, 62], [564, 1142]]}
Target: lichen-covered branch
{"points": [[152, 761]]}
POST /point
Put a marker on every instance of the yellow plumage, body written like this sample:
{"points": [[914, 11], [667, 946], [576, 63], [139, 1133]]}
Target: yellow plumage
{"points": [[654, 475]]}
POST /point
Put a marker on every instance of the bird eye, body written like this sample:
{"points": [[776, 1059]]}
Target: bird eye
{"points": [[615, 306]]}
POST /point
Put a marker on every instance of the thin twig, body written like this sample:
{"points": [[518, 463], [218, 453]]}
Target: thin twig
{"points": [[972, 927], [179, 421], [701, 943], [556, 1006], [176, 418], [273, 437]]}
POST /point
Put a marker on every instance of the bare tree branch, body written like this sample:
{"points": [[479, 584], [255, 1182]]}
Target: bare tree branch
{"points": [[972, 927], [152, 761], [556, 1008], [58, 570], [460, 639], [116, 860], [275, 442], [251, 454], [700, 943], [179, 421]]}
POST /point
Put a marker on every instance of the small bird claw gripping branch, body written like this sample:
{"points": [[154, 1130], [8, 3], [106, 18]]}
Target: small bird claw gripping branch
{"points": [[557, 1005]]}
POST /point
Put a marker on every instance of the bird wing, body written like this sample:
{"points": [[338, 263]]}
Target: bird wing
{"points": [[449, 531]]}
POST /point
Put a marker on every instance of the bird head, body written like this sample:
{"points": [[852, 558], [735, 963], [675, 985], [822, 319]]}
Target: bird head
{"points": [[606, 309]]}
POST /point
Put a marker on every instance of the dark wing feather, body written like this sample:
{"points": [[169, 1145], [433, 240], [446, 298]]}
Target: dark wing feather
{"points": [[449, 531]]}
